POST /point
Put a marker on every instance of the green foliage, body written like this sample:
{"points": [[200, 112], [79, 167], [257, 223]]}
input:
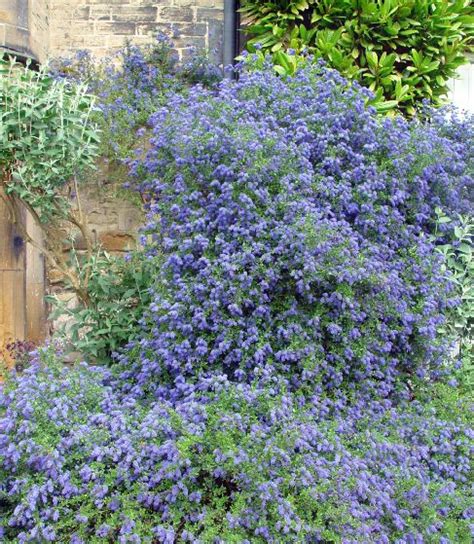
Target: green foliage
{"points": [[459, 258], [46, 136], [119, 293], [403, 50]]}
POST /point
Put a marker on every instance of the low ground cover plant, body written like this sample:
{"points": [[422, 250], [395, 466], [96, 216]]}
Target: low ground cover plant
{"points": [[235, 463], [289, 382]]}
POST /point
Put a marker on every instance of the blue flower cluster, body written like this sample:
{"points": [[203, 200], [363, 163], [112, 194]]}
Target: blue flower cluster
{"points": [[281, 388], [133, 84], [292, 224], [239, 464]]}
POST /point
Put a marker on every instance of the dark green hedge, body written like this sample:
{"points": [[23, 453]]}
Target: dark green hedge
{"points": [[404, 50]]}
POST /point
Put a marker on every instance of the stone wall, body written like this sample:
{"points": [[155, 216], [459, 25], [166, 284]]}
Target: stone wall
{"points": [[48, 28], [38, 21], [114, 220], [103, 25], [14, 28]]}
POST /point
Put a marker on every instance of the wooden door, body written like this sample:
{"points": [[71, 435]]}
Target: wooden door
{"points": [[12, 280], [22, 282]]}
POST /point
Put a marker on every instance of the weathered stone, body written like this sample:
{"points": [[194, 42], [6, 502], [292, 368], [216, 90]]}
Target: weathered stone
{"points": [[115, 28], [82, 13], [191, 29], [215, 40], [101, 13], [188, 45], [107, 2], [134, 13], [209, 14], [117, 241], [148, 29], [55, 276], [59, 27], [176, 14]]}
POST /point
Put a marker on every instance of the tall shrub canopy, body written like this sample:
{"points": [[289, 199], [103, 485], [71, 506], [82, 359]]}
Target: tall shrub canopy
{"points": [[405, 51], [292, 224]]}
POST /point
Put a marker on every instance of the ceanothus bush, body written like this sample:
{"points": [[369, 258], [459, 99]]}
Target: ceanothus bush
{"points": [[235, 464], [292, 226], [132, 84], [280, 389]]}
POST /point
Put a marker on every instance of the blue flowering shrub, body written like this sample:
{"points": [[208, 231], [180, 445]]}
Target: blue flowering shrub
{"points": [[289, 381], [235, 463], [294, 228], [131, 85]]}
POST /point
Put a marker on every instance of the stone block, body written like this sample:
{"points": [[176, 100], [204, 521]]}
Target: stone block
{"points": [[118, 28], [55, 276], [130, 219], [176, 14], [17, 38], [101, 13], [105, 3], [144, 29], [190, 29], [215, 39], [191, 44], [81, 13], [117, 241], [209, 3], [136, 14], [209, 14], [7, 16]]}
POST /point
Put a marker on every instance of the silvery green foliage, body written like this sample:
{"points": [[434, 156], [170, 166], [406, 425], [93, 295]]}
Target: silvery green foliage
{"points": [[457, 251], [46, 136]]}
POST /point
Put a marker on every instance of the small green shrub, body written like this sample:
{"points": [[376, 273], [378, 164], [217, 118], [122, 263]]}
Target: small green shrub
{"points": [[47, 136], [403, 50], [119, 293], [48, 141], [459, 258]]}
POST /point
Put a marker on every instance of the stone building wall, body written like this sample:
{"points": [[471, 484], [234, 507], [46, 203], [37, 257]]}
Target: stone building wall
{"points": [[103, 25], [14, 24], [53, 28], [113, 218], [46, 28]]}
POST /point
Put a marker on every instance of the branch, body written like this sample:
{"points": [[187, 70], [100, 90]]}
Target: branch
{"points": [[52, 254]]}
